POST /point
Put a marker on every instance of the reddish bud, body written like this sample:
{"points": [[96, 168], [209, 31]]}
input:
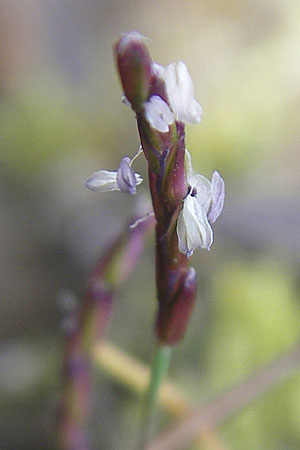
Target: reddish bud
{"points": [[135, 68], [173, 318]]}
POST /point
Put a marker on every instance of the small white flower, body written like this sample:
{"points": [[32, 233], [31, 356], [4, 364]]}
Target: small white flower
{"points": [[158, 114], [180, 91], [201, 207], [124, 179], [193, 228]]}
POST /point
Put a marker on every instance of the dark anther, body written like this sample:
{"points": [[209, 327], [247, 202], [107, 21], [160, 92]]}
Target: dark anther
{"points": [[188, 191], [194, 192]]}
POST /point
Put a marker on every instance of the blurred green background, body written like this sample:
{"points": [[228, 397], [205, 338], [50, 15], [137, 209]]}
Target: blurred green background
{"points": [[61, 119]]}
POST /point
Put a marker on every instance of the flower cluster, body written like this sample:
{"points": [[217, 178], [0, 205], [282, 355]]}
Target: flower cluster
{"points": [[173, 103]]}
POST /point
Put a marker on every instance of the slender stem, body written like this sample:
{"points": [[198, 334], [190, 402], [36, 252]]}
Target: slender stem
{"points": [[159, 368]]}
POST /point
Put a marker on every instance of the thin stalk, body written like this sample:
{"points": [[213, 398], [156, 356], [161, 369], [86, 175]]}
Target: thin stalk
{"points": [[159, 368]]}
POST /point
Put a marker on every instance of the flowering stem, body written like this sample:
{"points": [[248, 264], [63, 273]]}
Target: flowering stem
{"points": [[159, 368]]}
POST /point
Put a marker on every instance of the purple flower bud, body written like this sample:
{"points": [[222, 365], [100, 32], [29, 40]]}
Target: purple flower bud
{"points": [[135, 68], [173, 318]]}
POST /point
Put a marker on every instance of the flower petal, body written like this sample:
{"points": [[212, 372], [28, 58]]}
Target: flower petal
{"points": [[158, 114], [180, 92], [158, 70], [126, 178], [193, 228], [193, 114], [103, 181], [201, 188], [218, 195]]}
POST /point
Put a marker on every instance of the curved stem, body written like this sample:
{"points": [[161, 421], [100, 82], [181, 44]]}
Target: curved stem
{"points": [[159, 368]]}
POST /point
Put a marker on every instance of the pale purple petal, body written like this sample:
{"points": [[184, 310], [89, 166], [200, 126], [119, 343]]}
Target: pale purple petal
{"points": [[126, 178], [218, 195]]}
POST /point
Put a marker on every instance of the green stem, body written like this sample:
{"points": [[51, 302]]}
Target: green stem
{"points": [[159, 368]]}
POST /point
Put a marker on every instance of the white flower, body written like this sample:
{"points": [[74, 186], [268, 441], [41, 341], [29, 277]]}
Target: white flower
{"points": [[158, 114], [201, 207], [193, 228], [180, 91], [124, 179]]}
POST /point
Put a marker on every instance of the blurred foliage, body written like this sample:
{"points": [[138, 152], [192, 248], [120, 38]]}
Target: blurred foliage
{"points": [[256, 318], [37, 126]]}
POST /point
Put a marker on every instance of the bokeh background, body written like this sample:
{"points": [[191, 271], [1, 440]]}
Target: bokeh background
{"points": [[61, 119]]}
